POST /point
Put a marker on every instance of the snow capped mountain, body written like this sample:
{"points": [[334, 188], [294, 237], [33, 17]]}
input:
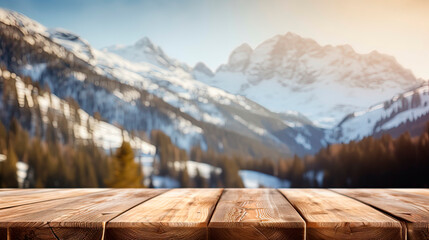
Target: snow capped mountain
{"points": [[144, 89], [408, 111], [72, 42], [239, 59], [66, 63], [178, 87], [144, 51], [288, 72], [262, 103], [201, 69], [13, 18]]}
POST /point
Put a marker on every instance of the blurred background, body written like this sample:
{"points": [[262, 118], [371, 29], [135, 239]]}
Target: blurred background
{"points": [[251, 94]]}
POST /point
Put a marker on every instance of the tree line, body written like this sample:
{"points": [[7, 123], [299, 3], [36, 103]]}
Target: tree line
{"points": [[57, 165], [370, 162], [168, 154]]}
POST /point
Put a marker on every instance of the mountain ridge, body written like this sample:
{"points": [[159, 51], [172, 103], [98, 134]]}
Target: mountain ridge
{"points": [[94, 77], [290, 65], [163, 93]]}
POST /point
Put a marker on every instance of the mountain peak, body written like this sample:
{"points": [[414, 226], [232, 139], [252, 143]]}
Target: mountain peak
{"points": [[145, 42], [289, 72], [202, 68], [292, 35], [239, 58], [149, 47], [346, 49], [13, 18], [293, 41], [243, 48], [145, 51], [65, 34], [72, 42]]}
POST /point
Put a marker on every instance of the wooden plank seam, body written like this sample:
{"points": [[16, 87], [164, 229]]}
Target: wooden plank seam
{"points": [[298, 211], [401, 222], [399, 219], [104, 224]]}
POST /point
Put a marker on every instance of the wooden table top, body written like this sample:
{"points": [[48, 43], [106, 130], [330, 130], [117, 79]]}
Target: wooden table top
{"points": [[214, 214]]}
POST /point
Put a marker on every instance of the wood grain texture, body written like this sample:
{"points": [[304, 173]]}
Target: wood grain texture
{"points": [[207, 213], [81, 217], [412, 208], [26, 196], [176, 214], [255, 214], [418, 191], [333, 216]]}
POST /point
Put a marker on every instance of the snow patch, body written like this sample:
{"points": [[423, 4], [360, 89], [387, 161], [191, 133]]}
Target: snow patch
{"points": [[300, 139], [253, 179]]}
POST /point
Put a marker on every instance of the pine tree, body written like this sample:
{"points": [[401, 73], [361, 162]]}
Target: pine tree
{"points": [[36, 162], [125, 172], [229, 175], [85, 173], [8, 176], [184, 178], [199, 181], [297, 171], [3, 137], [214, 179], [151, 183]]}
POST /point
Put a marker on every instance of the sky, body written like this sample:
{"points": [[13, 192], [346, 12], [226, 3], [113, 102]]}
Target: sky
{"points": [[208, 31]]}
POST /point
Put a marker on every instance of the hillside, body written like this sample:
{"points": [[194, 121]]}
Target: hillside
{"points": [[405, 112], [38, 110], [142, 96]]}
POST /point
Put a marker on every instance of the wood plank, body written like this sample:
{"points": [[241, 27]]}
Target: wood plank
{"points": [[419, 191], [330, 215], [413, 209], [9, 192], [81, 217], [176, 214], [255, 214], [21, 197]]}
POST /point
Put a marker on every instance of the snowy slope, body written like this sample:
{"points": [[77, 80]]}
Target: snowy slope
{"points": [[123, 105], [253, 179], [212, 105], [406, 108], [103, 134], [203, 168], [140, 66], [271, 95], [175, 86], [288, 72], [144, 51], [153, 92], [12, 18]]}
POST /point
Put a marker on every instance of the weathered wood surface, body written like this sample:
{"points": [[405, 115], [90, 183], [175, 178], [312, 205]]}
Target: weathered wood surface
{"points": [[332, 216], [79, 217], [214, 214], [176, 214], [255, 214], [412, 207], [418, 191], [26, 196]]}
